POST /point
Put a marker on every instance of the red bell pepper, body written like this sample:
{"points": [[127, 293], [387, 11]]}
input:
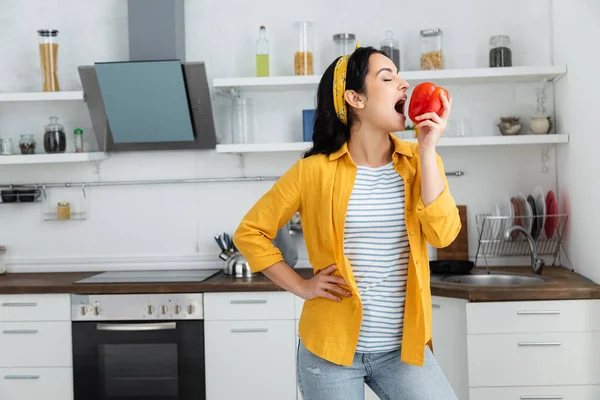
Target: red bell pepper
{"points": [[426, 98]]}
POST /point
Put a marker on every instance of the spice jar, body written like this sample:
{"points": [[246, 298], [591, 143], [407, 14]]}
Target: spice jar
{"points": [[63, 210], [48, 45], [6, 146], [344, 43], [55, 140], [2, 260], [391, 48], [431, 49], [500, 51], [303, 58], [78, 133], [27, 144]]}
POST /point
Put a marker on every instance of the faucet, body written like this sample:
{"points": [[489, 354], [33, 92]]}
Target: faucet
{"points": [[537, 264]]}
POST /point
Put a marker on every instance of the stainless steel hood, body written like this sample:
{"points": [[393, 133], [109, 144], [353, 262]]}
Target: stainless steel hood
{"points": [[156, 100]]}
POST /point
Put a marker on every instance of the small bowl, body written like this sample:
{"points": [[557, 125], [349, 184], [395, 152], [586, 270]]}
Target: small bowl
{"points": [[8, 196]]}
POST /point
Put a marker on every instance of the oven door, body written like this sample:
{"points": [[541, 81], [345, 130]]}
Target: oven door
{"points": [[122, 360]]}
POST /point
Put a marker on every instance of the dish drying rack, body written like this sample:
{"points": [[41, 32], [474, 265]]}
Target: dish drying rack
{"points": [[494, 244]]}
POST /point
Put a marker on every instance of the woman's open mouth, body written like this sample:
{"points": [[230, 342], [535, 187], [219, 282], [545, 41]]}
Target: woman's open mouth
{"points": [[400, 106]]}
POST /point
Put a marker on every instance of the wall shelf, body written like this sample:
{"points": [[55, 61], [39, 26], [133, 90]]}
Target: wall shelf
{"points": [[51, 158], [443, 142], [446, 76], [41, 96]]}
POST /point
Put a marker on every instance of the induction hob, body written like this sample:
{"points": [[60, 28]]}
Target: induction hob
{"points": [[146, 276]]}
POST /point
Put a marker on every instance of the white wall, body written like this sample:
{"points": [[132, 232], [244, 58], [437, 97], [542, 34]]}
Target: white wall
{"points": [[177, 222], [577, 109]]}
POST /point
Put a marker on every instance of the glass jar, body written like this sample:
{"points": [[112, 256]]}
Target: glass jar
{"points": [[63, 211], [432, 56], [48, 44], [344, 43], [78, 134], [500, 51], [303, 58], [27, 144], [6, 146], [391, 47], [55, 140], [242, 120], [2, 260]]}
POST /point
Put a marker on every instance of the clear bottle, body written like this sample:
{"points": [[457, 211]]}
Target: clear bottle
{"points": [[344, 43], [303, 58], [262, 53], [48, 45], [432, 56], [500, 51], [242, 120], [78, 133], [391, 47]]}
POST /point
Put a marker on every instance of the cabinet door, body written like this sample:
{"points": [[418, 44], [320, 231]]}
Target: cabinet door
{"points": [[36, 383], [250, 360], [449, 332]]}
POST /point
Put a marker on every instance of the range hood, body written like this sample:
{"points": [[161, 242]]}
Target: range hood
{"points": [[156, 100]]}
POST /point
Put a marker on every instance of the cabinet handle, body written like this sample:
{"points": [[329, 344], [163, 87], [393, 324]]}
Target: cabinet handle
{"points": [[32, 304], [248, 301], [525, 344], [162, 326], [21, 377], [538, 312], [542, 397], [250, 330], [436, 306], [20, 331]]}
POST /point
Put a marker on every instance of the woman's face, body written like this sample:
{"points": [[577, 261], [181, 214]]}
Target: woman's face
{"points": [[384, 101]]}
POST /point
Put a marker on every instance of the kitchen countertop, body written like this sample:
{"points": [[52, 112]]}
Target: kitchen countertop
{"points": [[564, 285]]}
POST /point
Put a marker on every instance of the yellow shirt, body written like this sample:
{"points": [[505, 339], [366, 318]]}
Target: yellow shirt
{"points": [[319, 187]]}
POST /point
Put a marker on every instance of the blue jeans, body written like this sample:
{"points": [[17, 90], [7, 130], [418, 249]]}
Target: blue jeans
{"points": [[385, 373]]}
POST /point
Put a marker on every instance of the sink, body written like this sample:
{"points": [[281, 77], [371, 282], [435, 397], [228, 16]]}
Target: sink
{"points": [[495, 279]]}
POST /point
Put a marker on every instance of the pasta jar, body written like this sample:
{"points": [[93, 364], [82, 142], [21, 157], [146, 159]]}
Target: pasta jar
{"points": [[500, 51], [303, 58], [431, 49], [344, 43], [63, 210], [48, 48]]}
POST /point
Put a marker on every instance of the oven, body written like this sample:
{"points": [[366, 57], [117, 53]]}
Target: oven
{"points": [[138, 346]]}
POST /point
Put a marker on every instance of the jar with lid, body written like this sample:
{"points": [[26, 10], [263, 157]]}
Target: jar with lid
{"points": [[432, 56], [48, 47], [391, 48], [78, 134], [344, 43], [6, 146], [500, 51], [303, 58], [55, 140], [242, 120], [2, 260], [63, 211], [27, 144]]}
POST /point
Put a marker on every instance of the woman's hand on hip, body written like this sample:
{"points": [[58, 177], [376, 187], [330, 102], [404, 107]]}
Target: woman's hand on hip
{"points": [[323, 283], [432, 126]]}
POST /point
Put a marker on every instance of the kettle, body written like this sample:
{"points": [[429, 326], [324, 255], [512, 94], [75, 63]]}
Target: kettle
{"points": [[236, 265]]}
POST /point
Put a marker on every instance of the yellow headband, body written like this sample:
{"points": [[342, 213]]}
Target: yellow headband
{"points": [[339, 87]]}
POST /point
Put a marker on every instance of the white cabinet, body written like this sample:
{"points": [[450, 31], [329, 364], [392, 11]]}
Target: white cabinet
{"points": [[35, 347], [250, 347], [449, 337]]}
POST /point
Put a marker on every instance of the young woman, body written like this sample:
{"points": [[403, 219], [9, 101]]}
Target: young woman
{"points": [[369, 203]]}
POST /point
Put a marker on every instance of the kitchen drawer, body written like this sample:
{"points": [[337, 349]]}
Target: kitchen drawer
{"points": [[533, 316], [248, 306], [42, 307], [36, 383], [534, 359], [35, 344], [591, 392]]}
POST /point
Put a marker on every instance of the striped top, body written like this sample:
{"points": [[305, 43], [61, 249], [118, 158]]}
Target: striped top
{"points": [[376, 243]]}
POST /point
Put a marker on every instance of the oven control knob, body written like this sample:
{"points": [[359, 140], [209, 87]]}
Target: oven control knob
{"points": [[163, 309], [191, 309], [96, 310], [150, 309], [83, 310], [177, 309]]}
